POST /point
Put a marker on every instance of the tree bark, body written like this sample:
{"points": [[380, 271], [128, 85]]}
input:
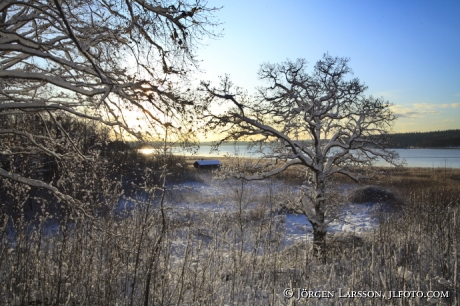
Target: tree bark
{"points": [[319, 228], [319, 243]]}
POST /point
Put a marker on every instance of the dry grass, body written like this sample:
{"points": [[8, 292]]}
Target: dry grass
{"points": [[236, 257]]}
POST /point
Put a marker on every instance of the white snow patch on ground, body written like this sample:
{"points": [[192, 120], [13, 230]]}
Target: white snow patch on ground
{"points": [[218, 196], [297, 228], [356, 218]]}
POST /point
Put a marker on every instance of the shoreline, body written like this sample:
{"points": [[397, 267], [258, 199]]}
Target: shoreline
{"points": [[191, 159]]}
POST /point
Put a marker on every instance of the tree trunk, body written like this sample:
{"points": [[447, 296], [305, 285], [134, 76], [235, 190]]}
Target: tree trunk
{"points": [[319, 238], [319, 228]]}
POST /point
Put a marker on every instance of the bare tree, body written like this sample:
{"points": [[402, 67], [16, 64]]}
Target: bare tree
{"points": [[104, 61], [320, 121]]}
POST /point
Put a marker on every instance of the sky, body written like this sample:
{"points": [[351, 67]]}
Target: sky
{"points": [[407, 52]]}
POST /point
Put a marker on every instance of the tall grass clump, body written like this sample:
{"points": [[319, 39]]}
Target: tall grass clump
{"points": [[149, 250]]}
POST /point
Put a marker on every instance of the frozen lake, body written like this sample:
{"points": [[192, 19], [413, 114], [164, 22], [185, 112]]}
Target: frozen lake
{"points": [[414, 157]]}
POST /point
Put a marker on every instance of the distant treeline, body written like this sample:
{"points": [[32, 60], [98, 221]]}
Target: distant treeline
{"points": [[438, 139]]}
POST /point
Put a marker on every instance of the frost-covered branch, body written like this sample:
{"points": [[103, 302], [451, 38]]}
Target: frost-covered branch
{"points": [[98, 64], [75, 204], [320, 120]]}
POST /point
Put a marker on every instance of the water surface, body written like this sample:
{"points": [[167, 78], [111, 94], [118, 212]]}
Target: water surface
{"points": [[433, 158]]}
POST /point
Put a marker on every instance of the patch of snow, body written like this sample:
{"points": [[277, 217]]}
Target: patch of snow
{"points": [[356, 218], [297, 228], [219, 196]]}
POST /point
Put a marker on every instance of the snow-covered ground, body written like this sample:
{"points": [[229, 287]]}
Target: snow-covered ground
{"points": [[356, 218], [216, 196]]}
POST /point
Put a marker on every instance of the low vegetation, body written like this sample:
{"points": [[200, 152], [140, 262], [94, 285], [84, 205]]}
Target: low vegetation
{"points": [[146, 250]]}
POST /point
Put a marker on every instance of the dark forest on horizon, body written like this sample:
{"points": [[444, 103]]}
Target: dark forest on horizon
{"points": [[436, 139]]}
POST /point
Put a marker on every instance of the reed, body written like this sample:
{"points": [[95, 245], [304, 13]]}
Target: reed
{"points": [[236, 255]]}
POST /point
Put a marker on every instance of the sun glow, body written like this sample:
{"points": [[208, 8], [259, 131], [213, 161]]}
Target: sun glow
{"points": [[146, 151]]}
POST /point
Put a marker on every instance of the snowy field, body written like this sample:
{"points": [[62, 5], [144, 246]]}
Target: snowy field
{"points": [[212, 197]]}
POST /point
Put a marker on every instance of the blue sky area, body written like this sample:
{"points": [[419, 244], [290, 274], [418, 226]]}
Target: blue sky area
{"points": [[405, 51]]}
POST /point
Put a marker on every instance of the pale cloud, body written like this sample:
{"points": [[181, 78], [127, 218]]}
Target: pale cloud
{"points": [[418, 110], [426, 106], [451, 105]]}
